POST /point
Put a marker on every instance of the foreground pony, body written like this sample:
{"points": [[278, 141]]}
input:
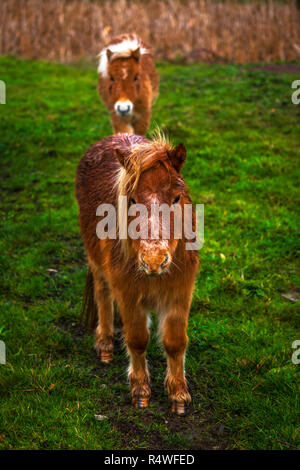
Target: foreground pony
{"points": [[141, 275], [128, 83]]}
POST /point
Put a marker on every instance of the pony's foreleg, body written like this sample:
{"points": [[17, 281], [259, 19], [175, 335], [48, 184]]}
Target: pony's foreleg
{"points": [[105, 328], [137, 337], [121, 125], [175, 343], [141, 124]]}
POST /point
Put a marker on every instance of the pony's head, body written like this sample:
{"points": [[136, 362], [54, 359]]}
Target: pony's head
{"points": [[120, 68], [150, 179]]}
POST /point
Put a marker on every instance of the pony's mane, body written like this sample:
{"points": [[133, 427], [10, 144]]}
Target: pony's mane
{"points": [[141, 156], [122, 49]]}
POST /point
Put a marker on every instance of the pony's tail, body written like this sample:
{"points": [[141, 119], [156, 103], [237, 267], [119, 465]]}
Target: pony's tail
{"points": [[89, 311]]}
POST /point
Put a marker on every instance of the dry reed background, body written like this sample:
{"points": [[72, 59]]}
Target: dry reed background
{"points": [[190, 31]]}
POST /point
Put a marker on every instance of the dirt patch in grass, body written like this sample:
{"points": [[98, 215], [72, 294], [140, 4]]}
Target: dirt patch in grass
{"points": [[74, 328], [195, 430], [156, 425]]}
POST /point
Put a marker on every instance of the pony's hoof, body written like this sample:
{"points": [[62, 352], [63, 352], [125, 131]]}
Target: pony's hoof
{"points": [[179, 407], [141, 402], [106, 356]]}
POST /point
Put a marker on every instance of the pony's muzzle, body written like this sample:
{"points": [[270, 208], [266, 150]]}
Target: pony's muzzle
{"points": [[123, 108], [154, 263]]}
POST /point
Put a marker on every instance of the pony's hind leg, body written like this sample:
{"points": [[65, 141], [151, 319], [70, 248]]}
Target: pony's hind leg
{"points": [[137, 337], [105, 328]]}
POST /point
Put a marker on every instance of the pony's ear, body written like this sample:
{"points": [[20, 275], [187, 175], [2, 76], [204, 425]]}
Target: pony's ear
{"points": [[136, 54], [177, 156], [109, 54], [122, 157]]}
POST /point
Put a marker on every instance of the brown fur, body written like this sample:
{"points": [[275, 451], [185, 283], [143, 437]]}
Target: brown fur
{"points": [[141, 169], [130, 76]]}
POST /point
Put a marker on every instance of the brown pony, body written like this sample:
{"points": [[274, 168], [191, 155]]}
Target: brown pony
{"points": [[142, 275], [128, 83]]}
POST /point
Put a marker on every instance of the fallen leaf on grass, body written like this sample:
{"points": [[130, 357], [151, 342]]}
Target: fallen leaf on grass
{"points": [[292, 296], [100, 417]]}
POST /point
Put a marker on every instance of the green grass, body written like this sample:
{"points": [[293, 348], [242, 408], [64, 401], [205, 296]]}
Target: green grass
{"points": [[242, 135]]}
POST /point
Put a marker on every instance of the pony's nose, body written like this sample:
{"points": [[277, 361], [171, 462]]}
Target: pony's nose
{"points": [[123, 108], [153, 263]]}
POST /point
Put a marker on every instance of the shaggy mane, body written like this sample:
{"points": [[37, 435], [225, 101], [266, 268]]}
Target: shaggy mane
{"points": [[121, 49], [142, 156]]}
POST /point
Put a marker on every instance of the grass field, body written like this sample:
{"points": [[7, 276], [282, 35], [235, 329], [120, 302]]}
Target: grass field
{"points": [[242, 135]]}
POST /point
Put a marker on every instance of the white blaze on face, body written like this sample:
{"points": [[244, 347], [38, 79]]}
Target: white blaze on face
{"points": [[124, 73], [123, 108]]}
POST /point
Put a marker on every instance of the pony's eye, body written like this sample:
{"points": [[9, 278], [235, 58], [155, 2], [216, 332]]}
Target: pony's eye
{"points": [[112, 78], [136, 78], [132, 200], [176, 199]]}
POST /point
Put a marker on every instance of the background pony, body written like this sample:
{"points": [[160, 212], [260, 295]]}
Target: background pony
{"points": [[128, 83], [142, 275]]}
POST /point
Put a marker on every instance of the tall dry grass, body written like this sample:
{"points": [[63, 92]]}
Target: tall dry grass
{"points": [[191, 31]]}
